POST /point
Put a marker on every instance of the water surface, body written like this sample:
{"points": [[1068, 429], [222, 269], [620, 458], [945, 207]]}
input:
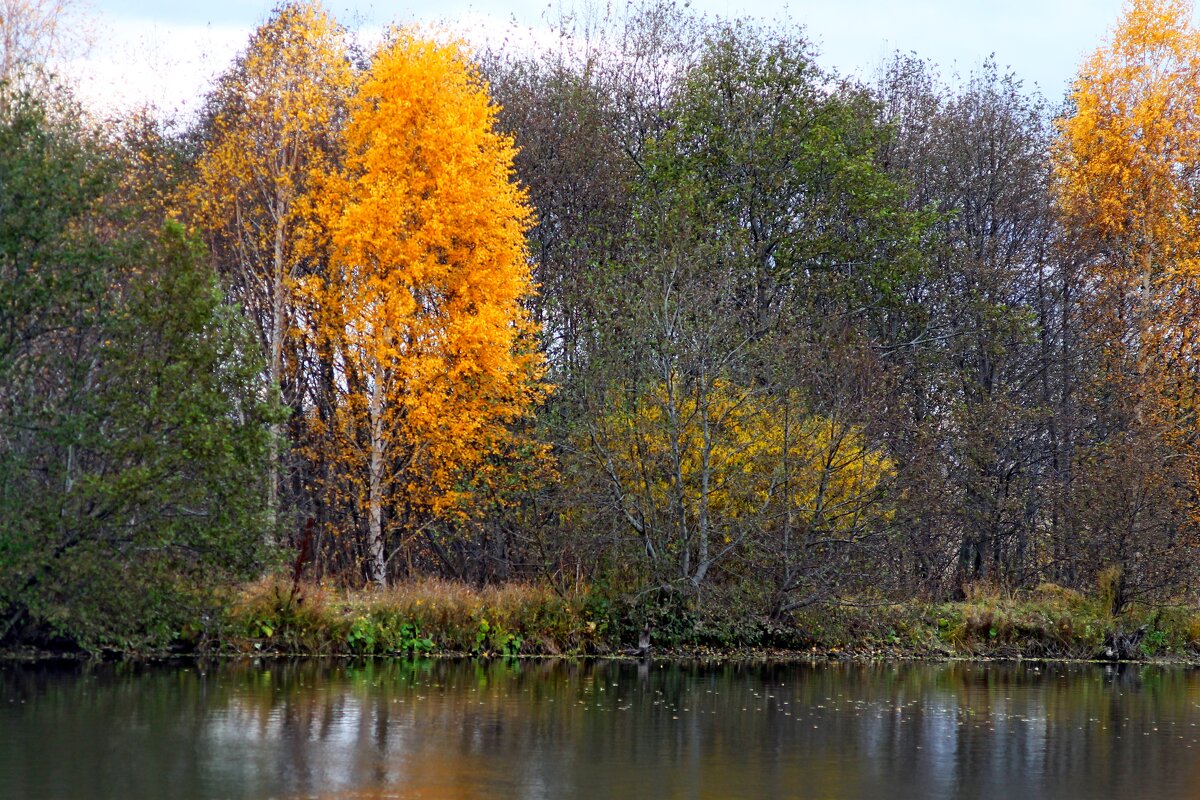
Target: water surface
{"points": [[552, 729]]}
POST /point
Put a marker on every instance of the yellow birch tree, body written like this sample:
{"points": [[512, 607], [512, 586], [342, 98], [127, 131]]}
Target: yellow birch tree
{"points": [[1127, 168], [421, 308], [274, 122], [1127, 162]]}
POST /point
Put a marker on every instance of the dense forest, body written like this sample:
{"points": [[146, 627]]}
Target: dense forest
{"points": [[667, 314]]}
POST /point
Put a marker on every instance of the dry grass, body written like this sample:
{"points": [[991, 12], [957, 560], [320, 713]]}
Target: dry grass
{"points": [[514, 619], [425, 615]]}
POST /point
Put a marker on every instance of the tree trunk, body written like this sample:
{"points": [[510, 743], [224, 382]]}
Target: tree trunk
{"points": [[276, 382], [377, 566], [702, 562]]}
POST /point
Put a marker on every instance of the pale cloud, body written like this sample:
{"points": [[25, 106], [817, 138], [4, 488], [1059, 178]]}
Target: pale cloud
{"points": [[169, 60], [169, 66], [1043, 42]]}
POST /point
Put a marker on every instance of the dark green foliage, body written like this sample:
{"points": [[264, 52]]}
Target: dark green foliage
{"points": [[132, 435], [775, 159]]}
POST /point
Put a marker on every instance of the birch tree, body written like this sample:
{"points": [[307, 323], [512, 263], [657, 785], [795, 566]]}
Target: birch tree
{"points": [[273, 122], [422, 304]]}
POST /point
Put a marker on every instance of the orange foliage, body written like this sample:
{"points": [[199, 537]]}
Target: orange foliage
{"points": [[274, 124], [420, 309], [1127, 163]]}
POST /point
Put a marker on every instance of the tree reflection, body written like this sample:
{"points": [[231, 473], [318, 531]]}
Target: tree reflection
{"points": [[441, 728]]}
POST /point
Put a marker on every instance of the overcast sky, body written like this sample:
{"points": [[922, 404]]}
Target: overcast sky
{"points": [[165, 52]]}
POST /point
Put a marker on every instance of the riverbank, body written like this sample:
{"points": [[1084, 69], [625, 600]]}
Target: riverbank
{"points": [[433, 617], [437, 618]]}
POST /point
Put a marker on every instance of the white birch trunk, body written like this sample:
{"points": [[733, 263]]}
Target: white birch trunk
{"points": [[378, 562]]}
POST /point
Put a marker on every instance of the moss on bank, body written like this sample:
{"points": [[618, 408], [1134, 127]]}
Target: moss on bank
{"points": [[439, 617]]}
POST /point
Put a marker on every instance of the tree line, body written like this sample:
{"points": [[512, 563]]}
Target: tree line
{"points": [[666, 311]]}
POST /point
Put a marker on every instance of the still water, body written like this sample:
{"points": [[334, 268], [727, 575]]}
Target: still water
{"points": [[550, 729]]}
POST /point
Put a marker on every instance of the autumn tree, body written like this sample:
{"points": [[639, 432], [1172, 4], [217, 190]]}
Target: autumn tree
{"points": [[702, 471], [421, 307], [1128, 153], [272, 122], [1126, 162]]}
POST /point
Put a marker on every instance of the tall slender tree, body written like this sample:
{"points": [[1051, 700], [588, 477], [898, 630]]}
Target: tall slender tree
{"points": [[273, 122], [421, 309], [1127, 163]]}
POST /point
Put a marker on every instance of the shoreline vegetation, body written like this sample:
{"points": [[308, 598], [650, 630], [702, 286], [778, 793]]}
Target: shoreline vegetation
{"points": [[276, 618], [664, 336]]}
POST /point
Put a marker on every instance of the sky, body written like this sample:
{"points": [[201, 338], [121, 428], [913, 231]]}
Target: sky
{"points": [[165, 53]]}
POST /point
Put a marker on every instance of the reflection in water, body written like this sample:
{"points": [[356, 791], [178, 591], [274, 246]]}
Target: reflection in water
{"points": [[551, 729]]}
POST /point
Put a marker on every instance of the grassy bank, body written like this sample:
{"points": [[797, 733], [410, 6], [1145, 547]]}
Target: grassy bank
{"points": [[441, 618], [423, 617]]}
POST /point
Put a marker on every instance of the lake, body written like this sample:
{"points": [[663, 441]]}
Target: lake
{"points": [[557, 729]]}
